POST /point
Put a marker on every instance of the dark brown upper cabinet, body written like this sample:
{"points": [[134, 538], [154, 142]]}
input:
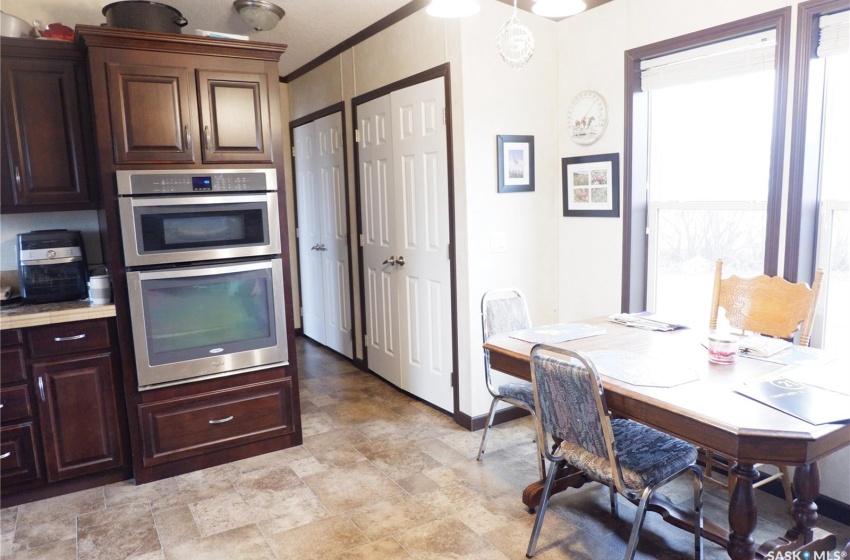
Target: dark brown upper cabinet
{"points": [[46, 141], [185, 100]]}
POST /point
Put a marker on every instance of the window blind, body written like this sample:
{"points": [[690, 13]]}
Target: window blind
{"points": [[734, 57], [834, 36]]}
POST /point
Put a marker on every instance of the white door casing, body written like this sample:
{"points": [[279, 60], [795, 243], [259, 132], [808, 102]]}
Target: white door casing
{"points": [[403, 160]]}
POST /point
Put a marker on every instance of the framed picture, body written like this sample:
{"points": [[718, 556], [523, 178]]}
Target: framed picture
{"points": [[591, 185], [516, 163]]}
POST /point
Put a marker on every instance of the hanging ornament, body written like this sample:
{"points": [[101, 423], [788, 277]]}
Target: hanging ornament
{"points": [[515, 42]]}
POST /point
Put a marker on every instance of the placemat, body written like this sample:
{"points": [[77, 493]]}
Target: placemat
{"points": [[559, 332], [636, 369]]}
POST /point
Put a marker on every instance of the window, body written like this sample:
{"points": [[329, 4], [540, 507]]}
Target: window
{"points": [[820, 174], [704, 170]]}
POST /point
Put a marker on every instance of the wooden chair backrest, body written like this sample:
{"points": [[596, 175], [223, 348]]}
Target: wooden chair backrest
{"points": [[768, 305]]}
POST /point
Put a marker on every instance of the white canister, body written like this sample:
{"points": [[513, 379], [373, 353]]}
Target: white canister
{"points": [[100, 290]]}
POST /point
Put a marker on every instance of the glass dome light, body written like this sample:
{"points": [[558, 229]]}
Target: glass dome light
{"points": [[259, 14]]}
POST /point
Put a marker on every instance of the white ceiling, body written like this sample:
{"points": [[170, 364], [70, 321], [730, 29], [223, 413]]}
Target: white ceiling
{"points": [[310, 27]]}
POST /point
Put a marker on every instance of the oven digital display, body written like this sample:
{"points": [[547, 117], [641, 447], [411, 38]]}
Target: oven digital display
{"points": [[201, 183]]}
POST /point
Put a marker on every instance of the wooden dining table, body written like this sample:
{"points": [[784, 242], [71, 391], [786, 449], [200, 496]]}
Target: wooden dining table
{"points": [[706, 411]]}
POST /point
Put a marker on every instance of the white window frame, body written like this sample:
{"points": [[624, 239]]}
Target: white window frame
{"points": [[823, 258]]}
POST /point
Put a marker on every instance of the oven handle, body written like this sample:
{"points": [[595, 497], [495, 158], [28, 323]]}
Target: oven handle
{"points": [[222, 421], [208, 270], [202, 199]]}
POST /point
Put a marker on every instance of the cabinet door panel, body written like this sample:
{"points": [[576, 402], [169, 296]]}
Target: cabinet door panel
{"points": [[235, 116], [79, 421], [44, 141], [151, 112]]}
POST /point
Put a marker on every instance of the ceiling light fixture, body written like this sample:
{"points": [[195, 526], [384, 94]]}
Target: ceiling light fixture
{"points": [[452, 8], [259, 14], [558, 8], [514, 42]]}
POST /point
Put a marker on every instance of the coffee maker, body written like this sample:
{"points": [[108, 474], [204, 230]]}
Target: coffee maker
{"points": [[52, 266]]}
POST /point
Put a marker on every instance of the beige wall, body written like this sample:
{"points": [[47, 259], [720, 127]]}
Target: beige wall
{"points": [[488, 99]]}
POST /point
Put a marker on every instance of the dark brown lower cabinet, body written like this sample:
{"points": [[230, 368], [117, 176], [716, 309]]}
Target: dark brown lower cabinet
{"points": [[62, 427], [79, 424]]}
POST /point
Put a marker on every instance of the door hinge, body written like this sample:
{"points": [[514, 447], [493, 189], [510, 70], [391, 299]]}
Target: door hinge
{"points": [[444, 116], [449, 251], [362, 240], [365, 340], [297, 233], [293, 150], [301, 311], [356, 135]]}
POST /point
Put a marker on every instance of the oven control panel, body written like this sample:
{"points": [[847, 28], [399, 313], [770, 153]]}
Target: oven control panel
{"points": [[195, 181]]}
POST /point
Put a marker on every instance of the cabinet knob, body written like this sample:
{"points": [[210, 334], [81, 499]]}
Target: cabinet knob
{"points": [[187, 136], [41, 389], [222, 421], [207, 137], [18, 177], [5, 455]]}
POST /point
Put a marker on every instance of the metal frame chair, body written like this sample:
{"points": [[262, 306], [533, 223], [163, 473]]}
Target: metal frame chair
{"points": [[768, 305], [631, 459], [504, 310]]}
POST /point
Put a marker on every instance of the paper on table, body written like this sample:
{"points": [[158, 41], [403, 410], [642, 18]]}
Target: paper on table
{"points": [[644, 321], [834, 375], [560, 332], [763, 346], [814, 405], [795, 356]]}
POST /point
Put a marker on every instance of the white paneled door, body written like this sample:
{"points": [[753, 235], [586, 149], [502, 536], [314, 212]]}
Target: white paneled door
{"points": [[323, 233], [405, 208]]}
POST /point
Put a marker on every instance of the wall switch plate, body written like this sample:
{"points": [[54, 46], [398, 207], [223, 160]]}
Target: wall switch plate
{"points": [[498, 242]]}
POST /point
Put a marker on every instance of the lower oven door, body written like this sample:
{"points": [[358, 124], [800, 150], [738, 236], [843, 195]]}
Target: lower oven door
{"points": [[199, 322]]}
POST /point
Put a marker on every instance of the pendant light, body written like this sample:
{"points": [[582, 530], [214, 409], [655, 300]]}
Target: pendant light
{"points": [[514, 42], [558, 8], [452, 8]]}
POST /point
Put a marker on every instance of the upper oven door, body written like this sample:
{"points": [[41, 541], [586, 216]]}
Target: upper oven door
{"points": [[174, 229]]}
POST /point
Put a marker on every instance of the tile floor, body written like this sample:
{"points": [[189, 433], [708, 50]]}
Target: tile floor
{"points": [[380, 476]]}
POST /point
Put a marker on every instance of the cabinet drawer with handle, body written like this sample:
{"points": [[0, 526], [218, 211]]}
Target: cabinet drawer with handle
{"points": [[185, 427], [18, 454], [15, 403], [67, 338]]}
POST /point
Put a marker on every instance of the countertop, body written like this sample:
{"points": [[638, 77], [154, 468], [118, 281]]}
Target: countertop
{"points": [[33, 315]]}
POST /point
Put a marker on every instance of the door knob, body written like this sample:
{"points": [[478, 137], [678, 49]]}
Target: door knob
{"points": [[390, 261], [400, 261], [322, 247], [315, 247]]}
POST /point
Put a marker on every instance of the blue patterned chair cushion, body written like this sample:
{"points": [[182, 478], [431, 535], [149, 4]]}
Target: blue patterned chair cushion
{"points": [[647, 456], [520, 391]]}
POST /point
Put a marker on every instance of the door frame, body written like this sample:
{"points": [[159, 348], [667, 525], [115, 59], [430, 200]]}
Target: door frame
{"points": [[316, 115], [441, 71]]}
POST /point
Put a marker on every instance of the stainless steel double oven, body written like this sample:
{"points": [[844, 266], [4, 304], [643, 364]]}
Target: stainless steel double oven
{"points": [[204, 273]]}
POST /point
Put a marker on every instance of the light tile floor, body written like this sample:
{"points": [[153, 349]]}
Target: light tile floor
{"points": [[380, 476]]}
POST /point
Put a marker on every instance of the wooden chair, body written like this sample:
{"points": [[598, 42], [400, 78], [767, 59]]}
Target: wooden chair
{"points": [[767, 305]]}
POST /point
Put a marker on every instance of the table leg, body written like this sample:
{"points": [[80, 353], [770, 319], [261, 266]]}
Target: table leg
{"points": [[804, 535], [742, 513]]}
